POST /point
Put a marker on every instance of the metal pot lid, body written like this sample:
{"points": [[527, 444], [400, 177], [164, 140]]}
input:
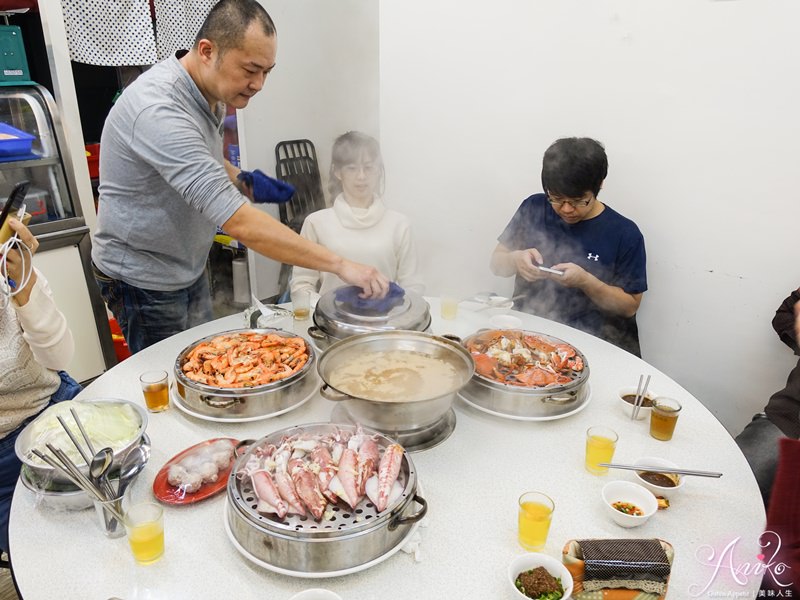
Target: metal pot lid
{"points": [[343, 319]]}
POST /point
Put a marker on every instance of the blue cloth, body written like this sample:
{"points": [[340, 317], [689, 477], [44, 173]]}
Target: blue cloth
{"points": [[265, 188], [10, 465], [149, 316], [349, 295], [609, 246]]}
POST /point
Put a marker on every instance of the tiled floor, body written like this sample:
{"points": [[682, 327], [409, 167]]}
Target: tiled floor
{"points": [[7, 591]]}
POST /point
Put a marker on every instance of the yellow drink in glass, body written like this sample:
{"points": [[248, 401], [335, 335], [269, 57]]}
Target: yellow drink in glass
{"points": [[600, 445], [147, 542], [144, 524], [449, 308], [535, 514]]}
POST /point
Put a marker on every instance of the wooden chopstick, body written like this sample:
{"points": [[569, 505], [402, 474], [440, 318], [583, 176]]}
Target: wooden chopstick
{"points": [[654, 469]]}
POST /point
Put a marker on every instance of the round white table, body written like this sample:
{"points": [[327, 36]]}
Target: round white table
{"points": [[471, 482]]}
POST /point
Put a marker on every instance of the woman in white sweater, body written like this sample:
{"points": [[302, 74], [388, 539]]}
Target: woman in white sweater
{"points": [[35, 346], [359, 226]]}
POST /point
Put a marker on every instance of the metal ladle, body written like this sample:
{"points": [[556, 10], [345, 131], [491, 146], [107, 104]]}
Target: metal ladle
{"points": [[133, 463], [99, 468]]}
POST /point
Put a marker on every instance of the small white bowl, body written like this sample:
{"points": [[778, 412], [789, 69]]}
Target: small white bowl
{"points": [[633, 493], [644, 411], [505, 322], [316, 594], [659, 490], [499, 305], [526, 562]]}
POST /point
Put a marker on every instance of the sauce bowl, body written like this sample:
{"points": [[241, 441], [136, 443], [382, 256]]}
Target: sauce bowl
{"points": [[659, 490], [631, 493]]}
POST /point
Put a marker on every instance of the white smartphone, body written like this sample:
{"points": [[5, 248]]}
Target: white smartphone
{"points": [[553, 271]]}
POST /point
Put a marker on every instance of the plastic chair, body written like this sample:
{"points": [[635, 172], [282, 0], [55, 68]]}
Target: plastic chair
{"points": [[296, 163]]}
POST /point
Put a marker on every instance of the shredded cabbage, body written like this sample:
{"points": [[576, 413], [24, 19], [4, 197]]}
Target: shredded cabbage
{"points": [[108, 424]]}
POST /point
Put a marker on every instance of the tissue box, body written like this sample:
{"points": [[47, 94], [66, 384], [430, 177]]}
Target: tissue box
{"points": [[14, 142], [628, 568]]}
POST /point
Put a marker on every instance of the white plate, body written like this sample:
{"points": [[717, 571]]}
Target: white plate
{"points": [[179, 403], [518, 418], [244, 552]]}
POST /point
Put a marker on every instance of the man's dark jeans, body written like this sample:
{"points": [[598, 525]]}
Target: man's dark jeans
{"points": [[149, 316]]}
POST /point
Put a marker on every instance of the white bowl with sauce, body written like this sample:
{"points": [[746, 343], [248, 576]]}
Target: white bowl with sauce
{"points": [[644, 410], [659, 483], [628, 493]]}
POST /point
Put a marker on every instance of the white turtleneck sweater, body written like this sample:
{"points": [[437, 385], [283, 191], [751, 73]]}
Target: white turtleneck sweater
{"points": [[35, 343], [376, 236]]}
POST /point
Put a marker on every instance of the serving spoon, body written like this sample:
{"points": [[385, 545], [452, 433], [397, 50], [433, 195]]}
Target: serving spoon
{"points": [[133, 463], [99, 468]]}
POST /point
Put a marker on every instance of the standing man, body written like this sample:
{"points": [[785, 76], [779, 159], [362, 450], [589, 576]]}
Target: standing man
{"points": [[599, 253], [165, 186]]}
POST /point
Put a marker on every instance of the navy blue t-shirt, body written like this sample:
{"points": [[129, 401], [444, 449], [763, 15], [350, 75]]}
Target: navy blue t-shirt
{"points": [[609, 246]]}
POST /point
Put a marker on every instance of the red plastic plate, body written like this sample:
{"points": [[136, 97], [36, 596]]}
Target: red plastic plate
{"points": [[170, 494]]}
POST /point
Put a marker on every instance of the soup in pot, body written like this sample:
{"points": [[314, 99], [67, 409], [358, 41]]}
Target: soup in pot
{"points": [[396, 376]]}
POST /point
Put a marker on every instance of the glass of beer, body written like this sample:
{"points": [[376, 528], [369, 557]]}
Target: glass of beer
{"points": [[301, 305], [155, 385], [535, 515], [144, 524], [600, 445], [663, 417]]}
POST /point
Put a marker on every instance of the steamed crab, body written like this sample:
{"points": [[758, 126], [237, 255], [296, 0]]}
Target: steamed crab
{"points": [[516, 357]]}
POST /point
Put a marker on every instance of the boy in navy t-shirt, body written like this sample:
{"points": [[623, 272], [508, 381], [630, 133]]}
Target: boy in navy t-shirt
{"points": [[600, 253]]}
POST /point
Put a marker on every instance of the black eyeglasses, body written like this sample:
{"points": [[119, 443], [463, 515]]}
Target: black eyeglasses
{"points": [[558, 202]]}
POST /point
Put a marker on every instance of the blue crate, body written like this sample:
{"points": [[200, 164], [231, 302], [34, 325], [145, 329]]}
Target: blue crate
{"points": [[19, 145]]}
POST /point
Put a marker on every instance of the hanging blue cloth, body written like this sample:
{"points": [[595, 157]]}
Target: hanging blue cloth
{"points": [[265, 188]]}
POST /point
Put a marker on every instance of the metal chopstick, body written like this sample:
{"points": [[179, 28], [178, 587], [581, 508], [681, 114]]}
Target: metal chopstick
{"points": [[81, 482], [83, 431], [636, 399], [640, 399], [87, 459], [661, 470]]}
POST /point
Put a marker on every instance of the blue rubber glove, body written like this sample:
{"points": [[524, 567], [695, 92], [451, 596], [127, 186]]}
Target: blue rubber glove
{"points": [[265, 188]]}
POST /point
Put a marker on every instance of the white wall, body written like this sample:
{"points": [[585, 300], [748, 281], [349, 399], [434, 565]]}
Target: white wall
{"points": [[696, 102], [325, 83]]}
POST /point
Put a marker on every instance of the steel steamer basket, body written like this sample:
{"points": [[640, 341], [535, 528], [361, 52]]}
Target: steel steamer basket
{"points": [[335, 320], [250, 402], [523, 402], [346, 539]]}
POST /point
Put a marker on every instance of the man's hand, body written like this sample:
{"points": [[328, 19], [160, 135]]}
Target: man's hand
{"points": [[526, 264], [573, 277], [369, 279]]}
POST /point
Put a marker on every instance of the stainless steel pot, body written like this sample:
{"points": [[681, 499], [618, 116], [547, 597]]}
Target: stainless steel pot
{"points": [[335, 320], [241, 403], [45, 476], [299, 544], [530, 403], [395, 416]]}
